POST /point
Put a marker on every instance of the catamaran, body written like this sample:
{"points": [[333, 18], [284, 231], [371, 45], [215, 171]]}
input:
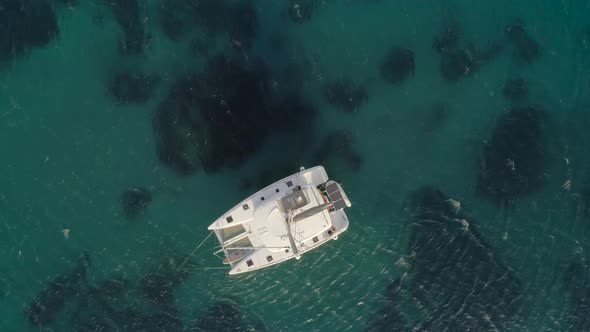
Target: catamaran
{"points": [[282, 221]]}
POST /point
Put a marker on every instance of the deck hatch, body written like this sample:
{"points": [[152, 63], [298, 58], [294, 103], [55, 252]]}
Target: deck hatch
{"points": [[231, 232], [294, 201]]}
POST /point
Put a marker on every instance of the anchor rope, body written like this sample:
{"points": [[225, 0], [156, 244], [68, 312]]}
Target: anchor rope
{"points": [[195, 251], [210, 268]]}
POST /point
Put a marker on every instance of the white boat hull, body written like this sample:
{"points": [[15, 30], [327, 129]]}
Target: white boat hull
{"points": [[266, 223]]}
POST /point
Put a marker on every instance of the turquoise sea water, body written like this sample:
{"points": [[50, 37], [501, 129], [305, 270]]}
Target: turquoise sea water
{"points": [[69, 151]]}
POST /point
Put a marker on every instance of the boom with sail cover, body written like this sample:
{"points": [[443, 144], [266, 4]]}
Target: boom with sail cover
{"points": [[313, 211]]}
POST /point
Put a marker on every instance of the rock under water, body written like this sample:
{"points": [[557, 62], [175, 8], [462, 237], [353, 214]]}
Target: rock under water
{"points": [[235, 20], [244, 25], [301, 11], [390, 317], [345, 95], [159, 284], [175, 17], [134, 201], [576, 284], [515, 89], [127, 13], [336, 152], [214, 121], [51, 300], [119, 304], [398, 65], [454, 272], [129, 87], [267, 176], [226, 315], [179, 141], [219, 119], [456, 64], [25, 25], [447, 39], [460, 58], [514, 159], [526, 48]]}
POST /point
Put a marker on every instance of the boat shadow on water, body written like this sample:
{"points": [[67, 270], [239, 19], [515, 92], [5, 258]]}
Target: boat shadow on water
{"points": [[453, 272]]}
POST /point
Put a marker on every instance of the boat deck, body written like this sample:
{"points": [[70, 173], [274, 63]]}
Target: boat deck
{"points": [[265, 221]]}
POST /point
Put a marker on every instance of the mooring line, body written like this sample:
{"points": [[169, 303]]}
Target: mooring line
{"points": [[194, 251]]}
